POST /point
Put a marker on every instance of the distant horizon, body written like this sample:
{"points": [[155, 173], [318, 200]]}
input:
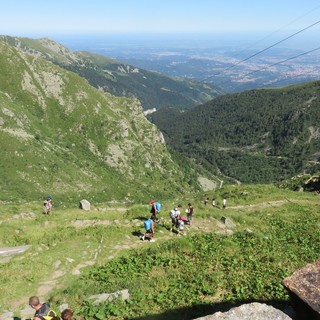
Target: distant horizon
{"points": [[187, 40]]}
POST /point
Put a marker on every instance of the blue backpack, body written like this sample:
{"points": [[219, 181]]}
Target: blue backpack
{"points": [[147, 224], [158, 206]]}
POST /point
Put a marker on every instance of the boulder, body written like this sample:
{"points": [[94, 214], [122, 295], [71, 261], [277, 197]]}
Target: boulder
{"points": [[228, 222], [100, 298], [85, 205], [304, 291], [252, 311]]}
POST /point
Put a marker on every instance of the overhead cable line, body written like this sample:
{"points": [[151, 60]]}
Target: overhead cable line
{"points": [[271, 65], [281, 28], [263, 50], [279, 62]]}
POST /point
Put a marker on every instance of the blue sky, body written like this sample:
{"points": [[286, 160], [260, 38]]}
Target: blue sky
{"points": [[50, 17]]}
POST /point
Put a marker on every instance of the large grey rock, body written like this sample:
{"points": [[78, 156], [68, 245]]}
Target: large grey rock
{"points": [[7, 253], [228, 222], [304, 290], [85, 205], [100, 298], [252, 311]]}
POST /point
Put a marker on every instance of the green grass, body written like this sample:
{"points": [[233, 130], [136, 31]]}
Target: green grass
{"points": [[202, 271]]}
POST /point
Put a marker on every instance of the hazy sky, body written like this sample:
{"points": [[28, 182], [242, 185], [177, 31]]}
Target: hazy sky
{"points": [[50, 17]]}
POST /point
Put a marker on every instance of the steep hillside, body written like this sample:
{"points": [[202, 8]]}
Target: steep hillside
{"points": [[61, 136], [154, 90], [255, 136]]}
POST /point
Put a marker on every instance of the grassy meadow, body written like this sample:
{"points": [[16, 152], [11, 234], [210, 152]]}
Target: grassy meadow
{"points": [[76, 253]]}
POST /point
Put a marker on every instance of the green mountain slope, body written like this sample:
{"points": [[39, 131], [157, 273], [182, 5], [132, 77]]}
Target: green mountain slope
{"points": [[254, 136], [154, 90], [59, 135]]}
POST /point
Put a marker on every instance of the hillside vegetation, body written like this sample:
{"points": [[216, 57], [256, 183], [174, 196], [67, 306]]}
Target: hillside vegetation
{"points": [[152, 89], [81, 253], [255, 136], [60, 135]]}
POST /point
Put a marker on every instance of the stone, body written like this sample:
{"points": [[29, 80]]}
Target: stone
{"points": [[251, 311], [228, 222], [100, 298], [304, 290], [85, 205], [7, 253], [63, 307]]}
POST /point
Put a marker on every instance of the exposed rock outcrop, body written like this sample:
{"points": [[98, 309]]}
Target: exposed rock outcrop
{"points": [[85, 205], [304, 290]]}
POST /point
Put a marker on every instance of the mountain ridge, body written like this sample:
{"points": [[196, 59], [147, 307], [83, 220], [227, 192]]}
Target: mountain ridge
{"points": [[60, 135], [153, 89]]}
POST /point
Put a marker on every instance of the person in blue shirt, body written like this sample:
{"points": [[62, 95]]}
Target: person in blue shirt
{"points": [[149, 227]]}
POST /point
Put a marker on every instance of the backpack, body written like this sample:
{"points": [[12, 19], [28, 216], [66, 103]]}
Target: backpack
{"points": [[173, 214], [158, 206], [46, 313], [147, 224]]}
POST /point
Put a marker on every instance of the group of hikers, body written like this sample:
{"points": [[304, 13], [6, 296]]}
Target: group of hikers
{"points": [[43, 311], [213, 202], [178, 220]]}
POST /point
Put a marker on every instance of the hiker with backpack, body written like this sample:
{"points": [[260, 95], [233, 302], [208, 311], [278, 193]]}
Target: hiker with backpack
{"points": [[47, 205], [155, 209], [43, 310], [149, 230], [175, 215]]}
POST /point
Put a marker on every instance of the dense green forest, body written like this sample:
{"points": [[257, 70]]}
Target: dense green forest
{"points": [[262, 135]]}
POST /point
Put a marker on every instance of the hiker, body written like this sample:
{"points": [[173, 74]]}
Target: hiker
{"points": [[43, 310], [224, 203], [206, 201], [149, 227], [47, 205], [175, 215], [213, 202], [67, 314], [189, 213], [180, 226], [155, 209]]}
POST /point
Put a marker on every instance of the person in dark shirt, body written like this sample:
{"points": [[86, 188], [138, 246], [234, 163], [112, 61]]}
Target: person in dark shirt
{"points": [[43, 310]]}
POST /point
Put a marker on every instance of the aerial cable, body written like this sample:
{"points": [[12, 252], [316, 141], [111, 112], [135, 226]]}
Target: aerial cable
{"points": [[281, 28], [274, 64], [265, 49], [279, 62]]}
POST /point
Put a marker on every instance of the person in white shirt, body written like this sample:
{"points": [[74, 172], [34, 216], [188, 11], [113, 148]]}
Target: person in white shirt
{"points": [[175, 215]]}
